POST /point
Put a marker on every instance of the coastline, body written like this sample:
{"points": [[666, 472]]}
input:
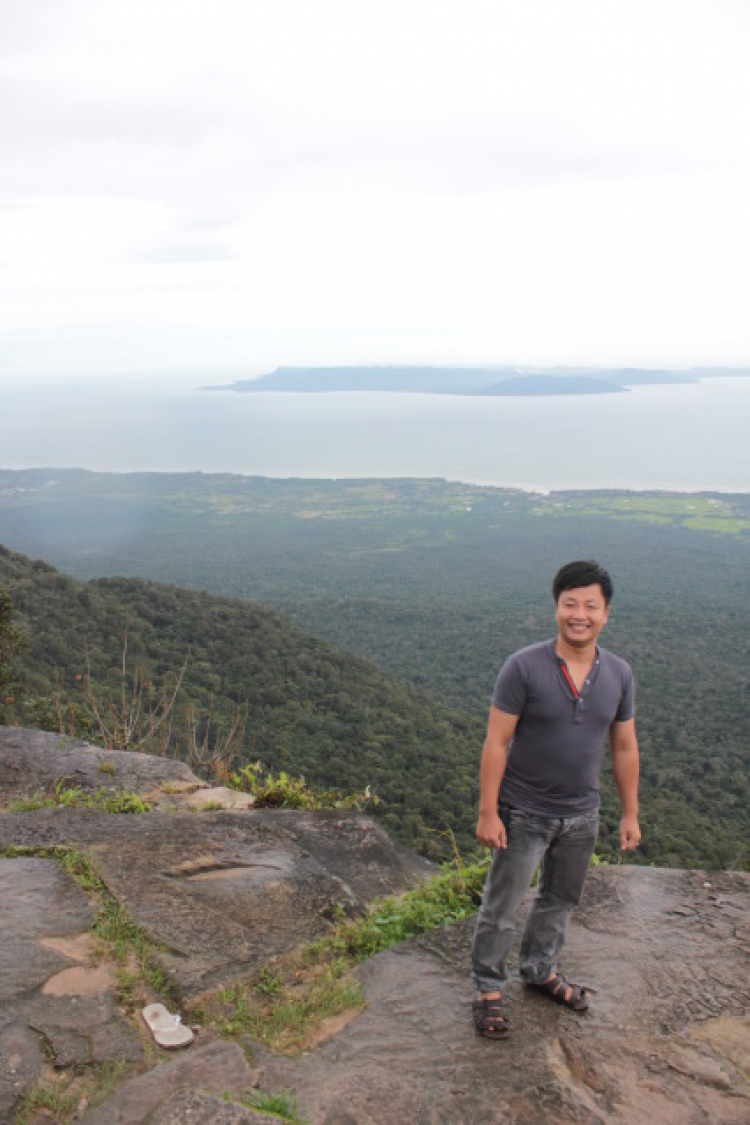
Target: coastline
{"points": [[684, 438]]}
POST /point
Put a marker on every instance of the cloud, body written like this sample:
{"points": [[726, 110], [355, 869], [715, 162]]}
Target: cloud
{"points": [[527, 182], [187, 253]]}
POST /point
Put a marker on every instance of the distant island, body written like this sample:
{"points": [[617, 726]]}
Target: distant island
{"points": [[483, 381]]}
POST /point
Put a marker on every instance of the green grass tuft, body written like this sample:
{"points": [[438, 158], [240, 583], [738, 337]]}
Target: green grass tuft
{"points": [[283, 1016], [65, 796], [453, 895], [63, 1097], [281, 1105]]}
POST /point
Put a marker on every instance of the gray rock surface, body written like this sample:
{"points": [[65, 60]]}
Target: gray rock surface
{"points": [[44, 1010], [33, 761], [50, 1010], [662, 1043], [222, 892], [190, 1107], [216, 1068]]}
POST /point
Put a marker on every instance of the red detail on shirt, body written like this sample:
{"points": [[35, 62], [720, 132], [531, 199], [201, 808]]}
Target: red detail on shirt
{"points": [[569, 678]]}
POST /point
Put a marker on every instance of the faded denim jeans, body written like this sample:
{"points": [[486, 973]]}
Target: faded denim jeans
{"points": [[564, 846]]}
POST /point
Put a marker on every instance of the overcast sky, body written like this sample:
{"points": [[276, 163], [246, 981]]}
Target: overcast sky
{"points": [[224, 186]]}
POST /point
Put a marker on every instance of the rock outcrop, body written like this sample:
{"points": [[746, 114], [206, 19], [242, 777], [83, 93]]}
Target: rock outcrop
{"points": [[222, 892], [34, 761]]}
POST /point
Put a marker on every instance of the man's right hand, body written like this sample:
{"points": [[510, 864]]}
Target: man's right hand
{"points": [[491, 831]]}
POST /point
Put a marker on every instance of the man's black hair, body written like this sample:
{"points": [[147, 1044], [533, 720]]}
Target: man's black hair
{"points": [[584, 572]]}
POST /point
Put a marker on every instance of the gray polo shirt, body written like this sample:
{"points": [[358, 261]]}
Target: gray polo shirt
{"points": [[556, 753]]}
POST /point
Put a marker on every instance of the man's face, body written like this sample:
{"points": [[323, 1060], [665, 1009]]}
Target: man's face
{"points": [[581, 615]]}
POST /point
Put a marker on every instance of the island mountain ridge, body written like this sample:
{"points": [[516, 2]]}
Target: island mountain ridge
{"points": [[483, 381]]}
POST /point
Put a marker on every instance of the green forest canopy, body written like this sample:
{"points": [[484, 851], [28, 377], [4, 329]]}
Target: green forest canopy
{"points": [[437, 583]]}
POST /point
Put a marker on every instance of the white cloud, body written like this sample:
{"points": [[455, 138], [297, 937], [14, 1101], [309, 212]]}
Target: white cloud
{"points": [[483, 181]]}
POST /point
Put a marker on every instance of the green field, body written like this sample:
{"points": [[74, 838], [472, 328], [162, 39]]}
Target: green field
{"points": [[697, 511]]}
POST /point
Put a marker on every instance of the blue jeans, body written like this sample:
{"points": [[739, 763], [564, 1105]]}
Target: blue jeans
{"points": [[564, 846]]}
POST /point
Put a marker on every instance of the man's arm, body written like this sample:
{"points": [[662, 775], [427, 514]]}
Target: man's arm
{"points": [[625, 768], [500, 728]]}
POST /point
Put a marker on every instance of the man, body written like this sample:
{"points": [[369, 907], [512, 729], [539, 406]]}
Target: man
{"points": [[553, 707]]}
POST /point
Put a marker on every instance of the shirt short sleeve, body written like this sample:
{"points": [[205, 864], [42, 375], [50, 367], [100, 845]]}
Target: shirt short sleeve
{"points": [[510, 689], [626, 710]]}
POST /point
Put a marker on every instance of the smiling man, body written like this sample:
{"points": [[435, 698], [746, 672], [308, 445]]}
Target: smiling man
{"points": [[553, 708]]}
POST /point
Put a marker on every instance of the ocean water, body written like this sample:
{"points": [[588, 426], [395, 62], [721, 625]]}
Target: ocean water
{"points": [[686, 437]]}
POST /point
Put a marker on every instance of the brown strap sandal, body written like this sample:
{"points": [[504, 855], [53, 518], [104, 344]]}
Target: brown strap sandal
{"points": [[490, 1019], [563, 992]]}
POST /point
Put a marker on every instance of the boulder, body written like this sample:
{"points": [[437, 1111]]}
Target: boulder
{"points": [[34, 761]]}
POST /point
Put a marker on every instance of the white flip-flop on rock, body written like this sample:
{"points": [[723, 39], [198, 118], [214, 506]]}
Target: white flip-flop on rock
{"points": [[167, 1030]]}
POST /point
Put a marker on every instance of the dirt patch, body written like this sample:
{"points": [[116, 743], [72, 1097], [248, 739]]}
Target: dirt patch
{"points": [[80, 981], [219, 797], [332, 1025], [729, 1037], [80, 948]]}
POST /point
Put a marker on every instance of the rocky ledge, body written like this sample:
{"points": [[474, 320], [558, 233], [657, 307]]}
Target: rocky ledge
{"points": [[222, 892]]}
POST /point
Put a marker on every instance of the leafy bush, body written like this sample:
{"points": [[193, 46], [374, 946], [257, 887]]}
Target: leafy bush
{"points": [[288, 792]]}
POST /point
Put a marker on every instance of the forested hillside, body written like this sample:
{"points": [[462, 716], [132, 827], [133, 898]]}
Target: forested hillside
{"points": [[439, 582], [307, 708]]}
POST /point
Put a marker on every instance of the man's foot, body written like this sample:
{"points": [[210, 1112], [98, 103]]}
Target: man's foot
{"points": [[489, 1018], [563, 992]]}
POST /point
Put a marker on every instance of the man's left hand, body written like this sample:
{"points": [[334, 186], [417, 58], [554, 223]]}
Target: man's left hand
{"points": [[630, 833]]}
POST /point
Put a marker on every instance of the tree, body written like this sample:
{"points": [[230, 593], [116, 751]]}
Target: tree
{"points": [[11, 640]]}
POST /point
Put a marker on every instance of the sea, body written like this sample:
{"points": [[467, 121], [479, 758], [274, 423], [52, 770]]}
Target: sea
{"points": [[682, 437]]}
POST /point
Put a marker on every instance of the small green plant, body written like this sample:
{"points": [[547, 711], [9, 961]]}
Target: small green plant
{"points": [[120, 802], [268, 983], [128, 983], [282, 1104], [80, 867], [289, 792]]}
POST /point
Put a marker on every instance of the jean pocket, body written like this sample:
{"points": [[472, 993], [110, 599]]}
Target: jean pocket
{"points": [[524, 825], [587, 824]]}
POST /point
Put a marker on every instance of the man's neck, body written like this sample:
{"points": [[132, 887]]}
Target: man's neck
{"points": [[571, 654]]}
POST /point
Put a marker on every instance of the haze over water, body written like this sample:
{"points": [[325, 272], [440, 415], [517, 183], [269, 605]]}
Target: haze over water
{"points": [[687, 437]]}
